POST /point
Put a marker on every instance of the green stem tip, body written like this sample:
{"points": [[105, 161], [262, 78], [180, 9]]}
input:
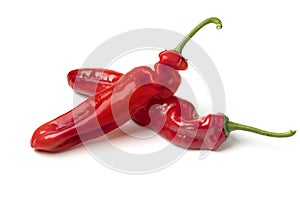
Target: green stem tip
{"points": [[214, 20], [232, 126]]}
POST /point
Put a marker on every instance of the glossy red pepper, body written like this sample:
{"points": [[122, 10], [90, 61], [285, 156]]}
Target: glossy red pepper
{"points": [[175, 119], [107, 110]]}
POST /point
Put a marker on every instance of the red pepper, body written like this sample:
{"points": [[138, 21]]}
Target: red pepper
{"points": [[115, 105], [175, 119]]}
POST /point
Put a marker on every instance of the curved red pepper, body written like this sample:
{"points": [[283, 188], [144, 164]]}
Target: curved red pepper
{"points": [[175, 119], [115, 105], [106, 110]]}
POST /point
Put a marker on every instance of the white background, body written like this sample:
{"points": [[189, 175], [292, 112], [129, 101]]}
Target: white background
{"points": [[257, 56]]}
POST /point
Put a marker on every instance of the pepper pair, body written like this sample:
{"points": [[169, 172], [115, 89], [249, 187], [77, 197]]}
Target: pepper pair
{"points": [[144, 95], [175, 119]]}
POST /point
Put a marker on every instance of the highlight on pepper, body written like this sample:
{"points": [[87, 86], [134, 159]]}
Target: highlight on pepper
{"points": [[95, 116]]}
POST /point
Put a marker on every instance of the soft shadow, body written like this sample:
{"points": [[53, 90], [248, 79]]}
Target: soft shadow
{"points": [[235, 141], [232, 142]]}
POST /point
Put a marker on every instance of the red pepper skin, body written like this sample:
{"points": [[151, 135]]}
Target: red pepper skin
{"points": [[106, 111], [89, 81], [88, 78], [175, 119]]}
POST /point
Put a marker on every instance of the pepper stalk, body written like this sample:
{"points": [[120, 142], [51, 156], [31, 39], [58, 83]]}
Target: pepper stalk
{"points": [[230, 126], [183, 42]]}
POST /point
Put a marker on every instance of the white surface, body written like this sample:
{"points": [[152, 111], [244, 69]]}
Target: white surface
{"points": [[256, 53]]}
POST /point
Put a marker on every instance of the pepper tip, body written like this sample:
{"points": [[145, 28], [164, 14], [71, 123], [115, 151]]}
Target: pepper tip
{"points": [[293, 132], [219, 26]]}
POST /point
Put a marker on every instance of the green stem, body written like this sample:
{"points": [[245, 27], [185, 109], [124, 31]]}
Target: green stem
{"points": [[232, 126], [215, 20]]}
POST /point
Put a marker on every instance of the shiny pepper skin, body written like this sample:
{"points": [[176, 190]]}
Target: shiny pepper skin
{"points": [[177, 120], [89, 79], [109, 109], [174, 119]]}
